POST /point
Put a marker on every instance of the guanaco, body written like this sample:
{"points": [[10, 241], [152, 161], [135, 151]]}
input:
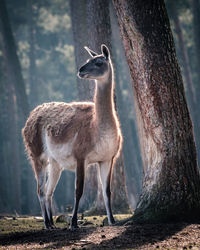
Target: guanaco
{"points": [[71, 136]]}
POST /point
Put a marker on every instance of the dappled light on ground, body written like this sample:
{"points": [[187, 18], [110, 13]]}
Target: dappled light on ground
{"points": [[29, 233]]}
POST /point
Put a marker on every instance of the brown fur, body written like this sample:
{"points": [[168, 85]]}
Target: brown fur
{"points": [[62, 121], [87, 133]]}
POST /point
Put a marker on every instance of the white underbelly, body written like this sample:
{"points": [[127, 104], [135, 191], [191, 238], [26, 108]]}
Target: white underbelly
{"points": [[61, 152], [104, 150]]}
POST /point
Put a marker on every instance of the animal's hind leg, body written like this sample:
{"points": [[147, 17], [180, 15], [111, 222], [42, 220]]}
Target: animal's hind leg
{"points": [[40, 167], [54, 173], [105, 172]]}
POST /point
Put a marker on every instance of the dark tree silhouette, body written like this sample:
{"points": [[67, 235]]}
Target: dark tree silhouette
{"points": [[12, 61], [191, 91], [93, 30], [16, 99]]}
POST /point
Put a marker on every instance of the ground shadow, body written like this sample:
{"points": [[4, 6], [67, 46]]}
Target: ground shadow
{"points": [[130, 236], [57, 238], [138, 235]]}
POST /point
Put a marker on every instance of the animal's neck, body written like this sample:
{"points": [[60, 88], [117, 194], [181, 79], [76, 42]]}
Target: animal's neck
{"points": [[104, 101]]}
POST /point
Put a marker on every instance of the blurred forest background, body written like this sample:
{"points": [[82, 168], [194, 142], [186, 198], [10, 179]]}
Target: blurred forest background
{"points": [[41, 47]]}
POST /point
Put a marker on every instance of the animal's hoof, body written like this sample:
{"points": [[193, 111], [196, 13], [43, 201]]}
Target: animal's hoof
{"points": [[50, 227], [53, 227], [74, 227], [109, 222]]}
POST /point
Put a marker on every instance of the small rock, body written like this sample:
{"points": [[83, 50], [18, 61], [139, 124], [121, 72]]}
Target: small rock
{"points": [[63, 218]]}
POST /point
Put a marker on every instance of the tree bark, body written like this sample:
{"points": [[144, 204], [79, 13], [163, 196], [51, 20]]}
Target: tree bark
{"points": [[171, 181]]}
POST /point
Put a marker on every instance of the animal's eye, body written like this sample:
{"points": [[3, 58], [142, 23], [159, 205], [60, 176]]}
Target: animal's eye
{"points": [[98, 64]]}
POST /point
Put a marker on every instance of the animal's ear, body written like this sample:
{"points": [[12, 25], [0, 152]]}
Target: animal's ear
{"points": [[105, 51], [91, 52]]}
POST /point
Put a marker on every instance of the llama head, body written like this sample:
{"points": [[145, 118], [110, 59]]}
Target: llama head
{"points": [[98, 67]]}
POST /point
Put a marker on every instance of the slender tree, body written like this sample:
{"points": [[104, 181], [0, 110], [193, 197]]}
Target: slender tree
{"points": [[17, 100], [93, 30], [196, 32], [171, 182], [85, 88], [191, 91], [79, 28], [99, 32], [33, 81], [13, 64]]}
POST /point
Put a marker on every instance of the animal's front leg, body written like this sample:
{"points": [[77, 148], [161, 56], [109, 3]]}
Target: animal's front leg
{"points": [[105, 172], [78, 192]]}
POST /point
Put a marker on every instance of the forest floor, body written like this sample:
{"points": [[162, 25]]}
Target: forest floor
{"points": [[28, 233]]}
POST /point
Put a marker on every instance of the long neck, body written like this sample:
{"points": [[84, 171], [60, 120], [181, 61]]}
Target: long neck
{"points": [[104, 100]]}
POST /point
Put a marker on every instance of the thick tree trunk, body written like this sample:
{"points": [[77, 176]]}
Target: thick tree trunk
{"points": [[171, 182]]}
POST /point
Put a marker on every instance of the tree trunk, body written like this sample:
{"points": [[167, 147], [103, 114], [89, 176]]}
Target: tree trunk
{"points": [[32, 204], [191, 93], [85, 87], [131, 158], [14, 68], [79, 28], [171, 182], [14, 88], [91, 27], [33, 81], [99, 32], [10, 188], [196, 32]]}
